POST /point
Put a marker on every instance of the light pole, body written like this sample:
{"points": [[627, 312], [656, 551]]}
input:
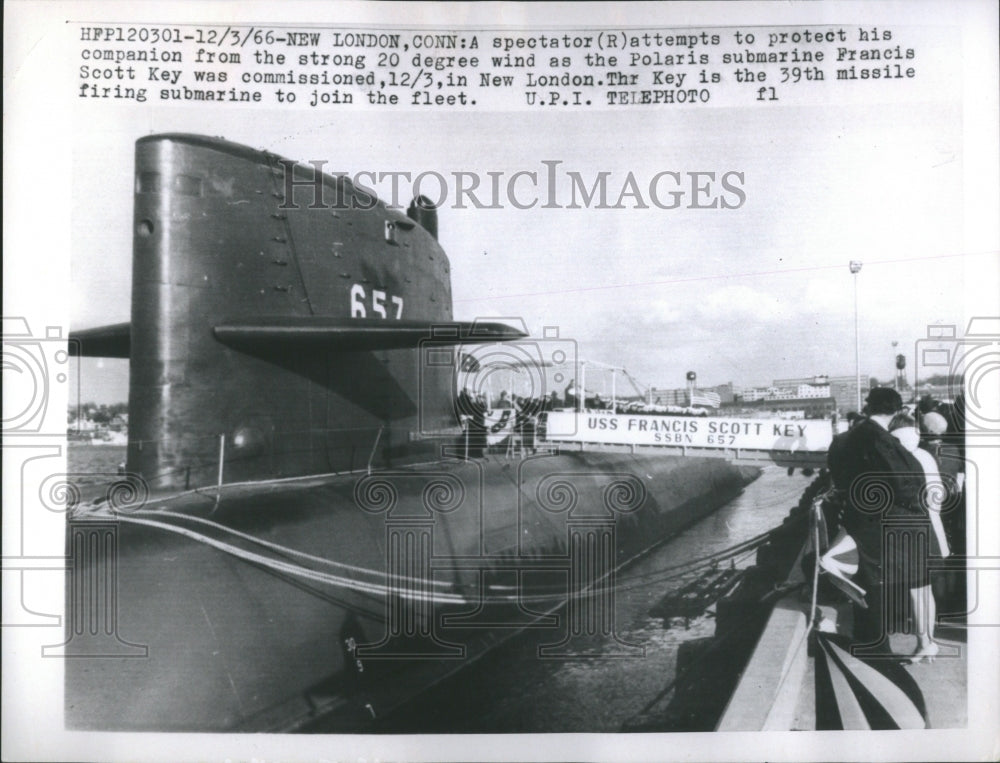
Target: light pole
{"points": [[895, 379], [855, 269]]}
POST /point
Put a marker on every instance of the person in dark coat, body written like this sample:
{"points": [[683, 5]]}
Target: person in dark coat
{"points": [[835, 453], [471, 412], [465, 405], [882, 479], [833, 506]]}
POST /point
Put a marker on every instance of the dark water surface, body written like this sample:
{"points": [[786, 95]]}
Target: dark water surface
{"points": [[94, 464], [512, 690]]}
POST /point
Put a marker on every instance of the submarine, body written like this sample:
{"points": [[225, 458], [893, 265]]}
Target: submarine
{"points": [[299, 541]]}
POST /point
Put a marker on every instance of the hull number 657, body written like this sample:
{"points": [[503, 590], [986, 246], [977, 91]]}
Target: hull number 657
{"points": [[380, 304]]}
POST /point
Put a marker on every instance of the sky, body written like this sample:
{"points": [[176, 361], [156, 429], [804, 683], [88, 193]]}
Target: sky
{"points": [[742, 295]]}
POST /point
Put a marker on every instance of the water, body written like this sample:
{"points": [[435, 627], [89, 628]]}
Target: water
{"points": [[94, 464], [513, 690]]}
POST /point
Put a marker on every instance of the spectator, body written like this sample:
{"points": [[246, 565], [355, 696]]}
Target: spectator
{"points": [[835, 453], [880, 477], [571, 400], [918, 533], [465, 406]]}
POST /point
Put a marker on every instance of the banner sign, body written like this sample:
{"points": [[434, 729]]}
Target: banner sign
{"points": [[688, 431]]}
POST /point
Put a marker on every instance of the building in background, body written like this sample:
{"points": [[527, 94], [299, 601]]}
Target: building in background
{"points": [[843, 389], [815, 396], [721, 394]]}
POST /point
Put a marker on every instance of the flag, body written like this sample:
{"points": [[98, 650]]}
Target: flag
{"points": [[499, 425], [841, 563], [705, 397], [853, 693]]}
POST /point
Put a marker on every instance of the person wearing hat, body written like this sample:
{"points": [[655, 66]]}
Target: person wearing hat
{"points": [[880, 477]]}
